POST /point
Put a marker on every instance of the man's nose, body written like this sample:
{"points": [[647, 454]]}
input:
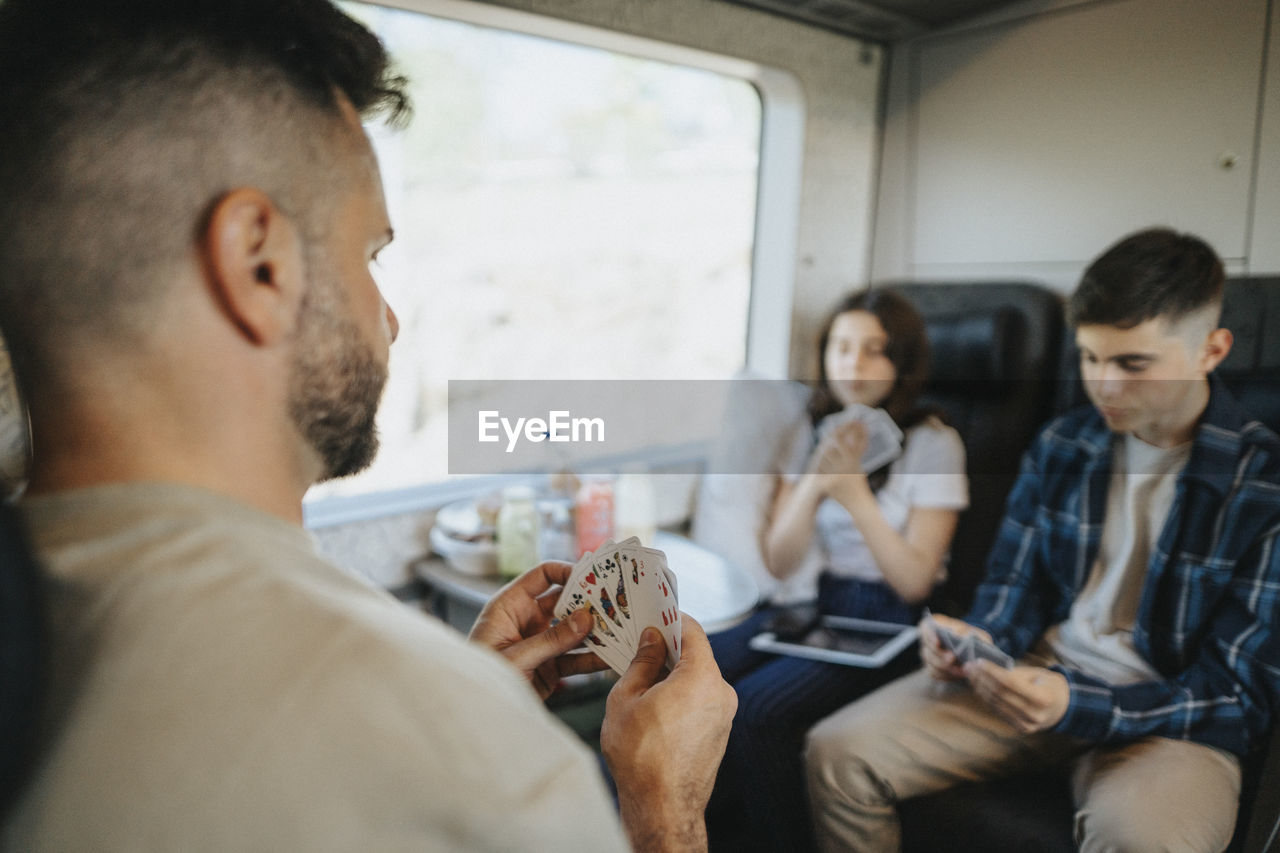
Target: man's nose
{"points": [[1110, 381], [393, 324]]}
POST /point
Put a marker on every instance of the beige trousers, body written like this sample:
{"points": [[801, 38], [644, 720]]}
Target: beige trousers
{"points": [[917, 736]]}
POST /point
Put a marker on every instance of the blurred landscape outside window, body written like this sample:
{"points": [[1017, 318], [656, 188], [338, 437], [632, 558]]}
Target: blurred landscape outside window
{"points": [[561, 212]]}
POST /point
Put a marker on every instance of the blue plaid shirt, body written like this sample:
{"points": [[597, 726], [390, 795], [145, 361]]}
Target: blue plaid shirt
{"points": [[1209, 616]]}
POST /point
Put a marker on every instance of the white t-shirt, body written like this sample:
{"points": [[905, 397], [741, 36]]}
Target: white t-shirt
{"points": [[216, 685], [1097, 635], [930, 474]]}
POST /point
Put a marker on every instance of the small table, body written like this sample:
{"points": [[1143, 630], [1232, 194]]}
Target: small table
{"points": [[712, 590]]}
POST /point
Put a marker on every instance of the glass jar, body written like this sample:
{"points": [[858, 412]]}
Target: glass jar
{"points": [[518, 531]]}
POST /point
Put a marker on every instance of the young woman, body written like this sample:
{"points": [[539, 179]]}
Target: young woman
{"points": [[884, 535]]}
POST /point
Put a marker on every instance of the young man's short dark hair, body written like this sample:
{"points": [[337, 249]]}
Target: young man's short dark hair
{"points": [[1157, 272]]}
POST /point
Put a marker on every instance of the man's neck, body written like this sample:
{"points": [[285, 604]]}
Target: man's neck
{"points": [[83, 451]]}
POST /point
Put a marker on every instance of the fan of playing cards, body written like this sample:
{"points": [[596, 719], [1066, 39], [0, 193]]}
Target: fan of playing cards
{"points": [[627, 588], [884, 439], [969, 646]]}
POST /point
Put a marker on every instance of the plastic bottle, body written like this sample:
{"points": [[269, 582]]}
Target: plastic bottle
{"points": [[518, 530], [635, 505], [593, 513]]}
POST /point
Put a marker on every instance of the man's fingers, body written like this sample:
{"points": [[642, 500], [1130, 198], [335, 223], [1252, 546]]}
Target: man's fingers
{"points": [[646, 666], [579, 663], [541, 578], [547, 603], [940, 661], [1000, 689], [987, 689], [694, 645], [530, 653], [996, 678]]}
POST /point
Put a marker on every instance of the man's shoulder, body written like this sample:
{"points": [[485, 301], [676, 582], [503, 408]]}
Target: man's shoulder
{"points": [[1235, 450], [1257, 466], [1228, 427], [1263, 442], [269, 692]]}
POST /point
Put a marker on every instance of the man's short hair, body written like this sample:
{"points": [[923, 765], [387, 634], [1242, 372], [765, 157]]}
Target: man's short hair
{"points": [[1153, 273], [122, 122]]}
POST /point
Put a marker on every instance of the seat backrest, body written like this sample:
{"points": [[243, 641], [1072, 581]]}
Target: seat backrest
{"points": [[1251, 307], [735, 495], [22, 656], [995, 354]]}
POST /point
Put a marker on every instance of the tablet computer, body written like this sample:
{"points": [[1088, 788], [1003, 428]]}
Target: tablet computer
{"points": [[842, 639]]}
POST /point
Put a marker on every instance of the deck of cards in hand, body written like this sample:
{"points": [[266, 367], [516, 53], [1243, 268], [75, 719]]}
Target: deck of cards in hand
{"points": [[968, 647], [884, 438], [627, 588]]}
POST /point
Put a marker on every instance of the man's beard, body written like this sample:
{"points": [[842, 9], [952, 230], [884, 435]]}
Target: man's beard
{"points": [[336, 381]]}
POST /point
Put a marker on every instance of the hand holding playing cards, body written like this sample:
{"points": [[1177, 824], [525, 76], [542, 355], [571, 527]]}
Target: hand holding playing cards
{"points": [[840, 450], [1031, 698], [517, 623], [664, 738], [625, 588], [856, 440], [937, 650]]}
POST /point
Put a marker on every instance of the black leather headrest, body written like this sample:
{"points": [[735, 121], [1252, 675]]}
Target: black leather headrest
{"points": [[22, 656], [978, 349]]}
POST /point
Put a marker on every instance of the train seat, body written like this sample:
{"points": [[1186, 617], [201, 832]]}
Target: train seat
{"points": [[995, 350], [735, 495], [22, 655]]}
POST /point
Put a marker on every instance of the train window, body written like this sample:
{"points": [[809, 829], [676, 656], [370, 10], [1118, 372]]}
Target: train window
{"points": [[562, 211]]}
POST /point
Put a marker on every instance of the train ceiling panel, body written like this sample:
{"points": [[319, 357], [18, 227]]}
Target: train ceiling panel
{"points": [[877, 20]]}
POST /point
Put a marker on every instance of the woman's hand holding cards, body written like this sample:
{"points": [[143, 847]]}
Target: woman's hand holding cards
{"points": [[664, 738], [840, 450]]}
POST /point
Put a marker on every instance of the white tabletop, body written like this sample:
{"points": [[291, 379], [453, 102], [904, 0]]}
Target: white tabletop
{"points": [[712, 590]]}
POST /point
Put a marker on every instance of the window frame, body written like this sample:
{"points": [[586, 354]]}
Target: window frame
{"points": [[773, 254]]}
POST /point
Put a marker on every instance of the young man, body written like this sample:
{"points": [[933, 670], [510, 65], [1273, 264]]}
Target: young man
{"points": [[1136, 579], [190, 209]]}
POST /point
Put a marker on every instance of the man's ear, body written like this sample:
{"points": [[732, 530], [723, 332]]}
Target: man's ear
{"points": [[254, 257], [1215, 349]]}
